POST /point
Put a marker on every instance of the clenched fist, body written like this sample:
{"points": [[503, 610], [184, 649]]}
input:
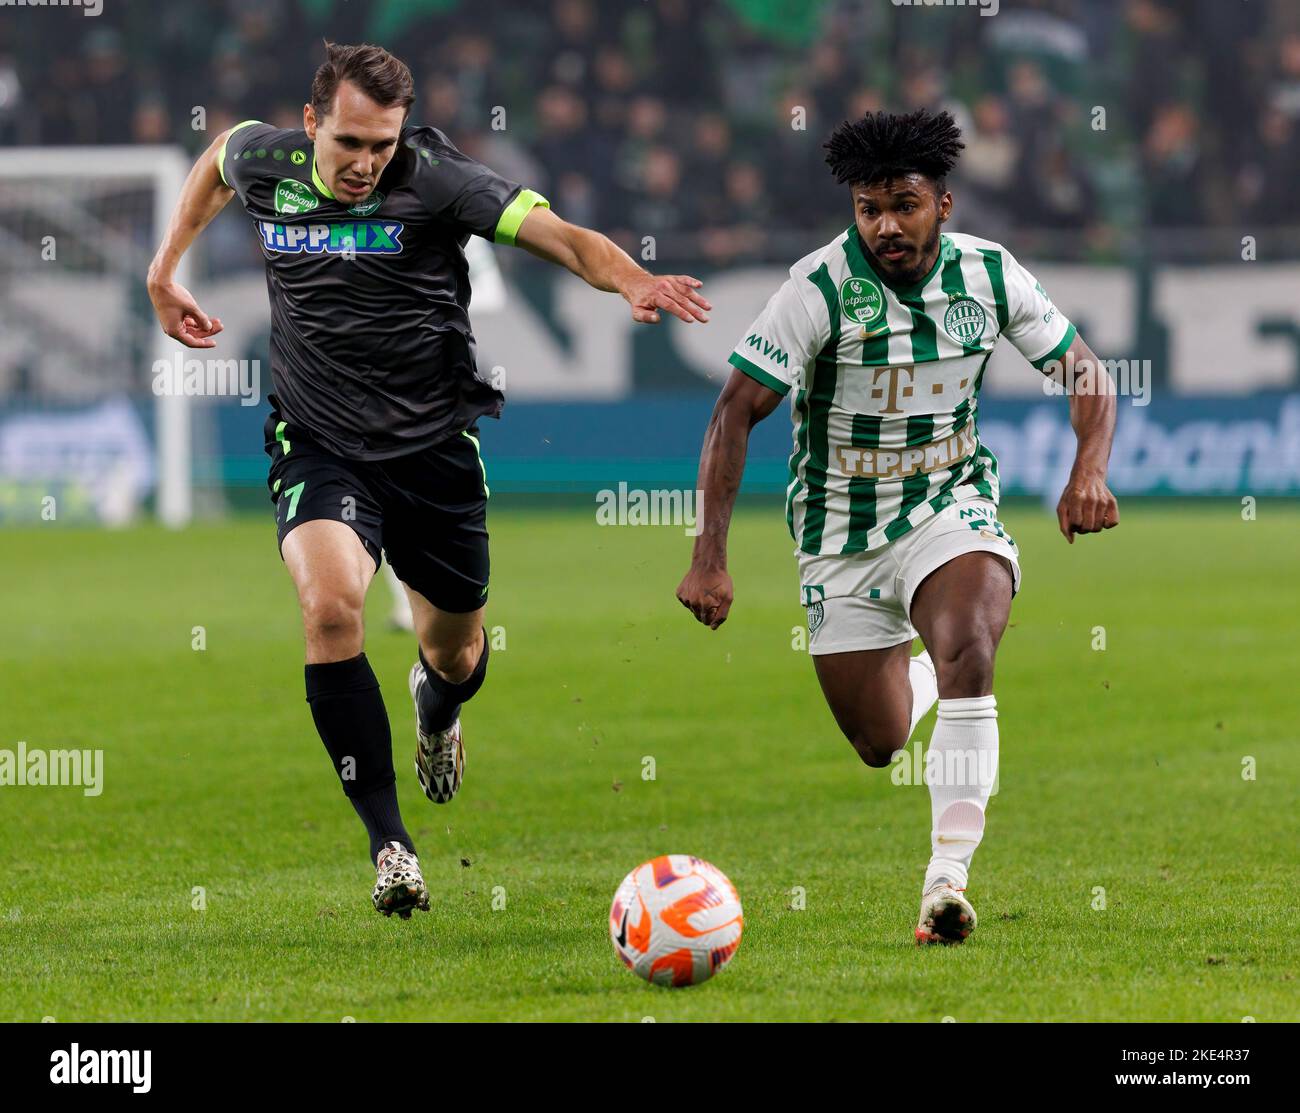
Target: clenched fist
{"points": [[707, 593], [1086, 506]]}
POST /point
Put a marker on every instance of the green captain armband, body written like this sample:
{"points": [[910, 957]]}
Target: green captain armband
{"points": [[221, 154], [513, 215]]}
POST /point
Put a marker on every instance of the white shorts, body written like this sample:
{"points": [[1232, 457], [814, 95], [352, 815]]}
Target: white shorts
{"points": [[864, 600]]}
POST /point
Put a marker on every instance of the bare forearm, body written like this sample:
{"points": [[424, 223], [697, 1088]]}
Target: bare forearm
{"points": [[1092, 413], [722, 465], [1093, 420], [594, 258], [203, 195], [1086, 504], [603, 264], [706, 590]]}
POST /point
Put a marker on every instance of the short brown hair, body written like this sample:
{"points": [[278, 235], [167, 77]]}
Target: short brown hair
{"points": [[386, 80]]}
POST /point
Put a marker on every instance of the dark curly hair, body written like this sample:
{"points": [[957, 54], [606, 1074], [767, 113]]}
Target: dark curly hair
{"points": [[883, 145]]}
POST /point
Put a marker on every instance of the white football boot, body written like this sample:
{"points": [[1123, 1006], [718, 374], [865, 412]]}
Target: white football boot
{"points": [[440, 756], [946, 915], [399, 885]]}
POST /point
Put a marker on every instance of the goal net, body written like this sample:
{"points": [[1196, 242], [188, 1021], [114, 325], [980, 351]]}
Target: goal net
{"points": [[83, 435]]}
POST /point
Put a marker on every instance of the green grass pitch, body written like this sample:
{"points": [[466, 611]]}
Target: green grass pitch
{"points": [[1122, 772]]}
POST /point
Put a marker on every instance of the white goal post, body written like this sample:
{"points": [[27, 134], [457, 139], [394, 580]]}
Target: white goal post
{"points": [[106, 209]]}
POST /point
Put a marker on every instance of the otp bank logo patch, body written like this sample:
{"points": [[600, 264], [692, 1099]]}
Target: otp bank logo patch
{"points": [[361, 237]]}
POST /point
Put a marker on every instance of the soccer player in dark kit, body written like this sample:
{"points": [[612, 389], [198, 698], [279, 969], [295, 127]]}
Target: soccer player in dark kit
{"points": [[362, 219]]}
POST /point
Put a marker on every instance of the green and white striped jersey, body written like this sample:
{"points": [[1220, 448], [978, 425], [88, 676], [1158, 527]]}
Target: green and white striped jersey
{"points": [[886, 383]]}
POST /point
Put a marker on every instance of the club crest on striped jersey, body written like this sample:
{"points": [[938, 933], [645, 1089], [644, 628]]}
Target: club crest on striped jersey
{"points": [[862, 300], [965, 319]]}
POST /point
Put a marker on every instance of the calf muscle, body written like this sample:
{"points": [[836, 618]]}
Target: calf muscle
{"points": [[870, 695]]}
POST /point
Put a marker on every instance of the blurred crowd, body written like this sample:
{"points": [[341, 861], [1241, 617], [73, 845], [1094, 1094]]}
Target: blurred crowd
{"points": [[1091, 125]]}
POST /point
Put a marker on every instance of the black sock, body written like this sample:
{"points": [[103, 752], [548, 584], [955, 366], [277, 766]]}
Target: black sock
{"points": [[353, 723], [379, 812], [440, 701]]}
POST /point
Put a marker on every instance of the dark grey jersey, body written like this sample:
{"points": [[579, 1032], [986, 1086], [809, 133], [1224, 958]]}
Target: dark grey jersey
{"points": [[371, 348]]}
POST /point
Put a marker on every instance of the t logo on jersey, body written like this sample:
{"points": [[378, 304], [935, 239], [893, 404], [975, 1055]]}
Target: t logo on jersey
{"points": [[890, 391], [362, 237]]}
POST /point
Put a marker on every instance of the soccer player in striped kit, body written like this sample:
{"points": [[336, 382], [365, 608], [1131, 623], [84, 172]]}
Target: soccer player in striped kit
{"points": [[881, 338]]}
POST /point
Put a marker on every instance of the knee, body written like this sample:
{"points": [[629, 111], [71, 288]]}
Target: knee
{"points": [[331, 614], [454, 661], [965, 668], [875, 748]]}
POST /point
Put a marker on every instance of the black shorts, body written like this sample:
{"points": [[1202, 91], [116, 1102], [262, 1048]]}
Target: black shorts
{"points": [[427, 512]]}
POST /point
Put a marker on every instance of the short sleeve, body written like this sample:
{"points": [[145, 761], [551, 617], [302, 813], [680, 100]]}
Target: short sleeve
{"points": [[782, 341], [234, 168], [1040, 331], [466, 193]]}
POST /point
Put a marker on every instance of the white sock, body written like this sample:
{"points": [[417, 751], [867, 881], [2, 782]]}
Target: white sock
{"points": [[925, 687], [961, 767], [401, 604]]}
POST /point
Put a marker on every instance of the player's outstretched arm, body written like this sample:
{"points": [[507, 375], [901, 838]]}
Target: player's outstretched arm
{"points": [[1087, 505], [203, 196], [601, 263], [706, 591]]}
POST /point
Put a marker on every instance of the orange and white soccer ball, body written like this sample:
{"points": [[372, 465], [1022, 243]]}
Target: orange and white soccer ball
{"points": [[676, 920]]}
